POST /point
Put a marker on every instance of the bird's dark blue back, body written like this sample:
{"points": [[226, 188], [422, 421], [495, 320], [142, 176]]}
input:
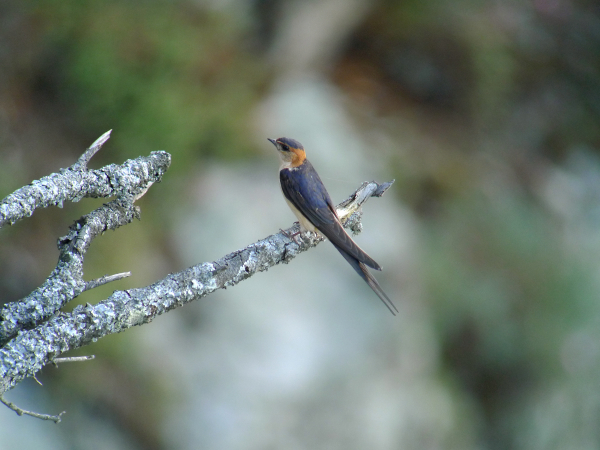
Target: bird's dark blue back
{"points": [[303, 187]]}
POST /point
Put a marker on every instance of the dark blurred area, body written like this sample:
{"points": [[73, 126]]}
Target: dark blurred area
{"points": [[487, 114]]}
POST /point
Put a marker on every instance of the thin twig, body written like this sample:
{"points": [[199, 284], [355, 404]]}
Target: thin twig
{"points": [[36, 380], [362, 194], [382, 188], [104, 280], [55, 361], [84, 159], [21, 411]]}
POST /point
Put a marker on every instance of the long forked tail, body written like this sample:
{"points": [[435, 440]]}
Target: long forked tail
{"points": [[363, 271]]}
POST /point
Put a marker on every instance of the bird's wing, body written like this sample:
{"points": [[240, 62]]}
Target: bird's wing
{"points": [[305, 190]]}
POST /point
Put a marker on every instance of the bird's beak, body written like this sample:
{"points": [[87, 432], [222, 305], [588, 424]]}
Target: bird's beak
{"points": [[272, 141]]}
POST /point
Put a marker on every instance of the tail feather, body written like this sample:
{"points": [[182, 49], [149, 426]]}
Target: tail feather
{"points": [[364, 273]]}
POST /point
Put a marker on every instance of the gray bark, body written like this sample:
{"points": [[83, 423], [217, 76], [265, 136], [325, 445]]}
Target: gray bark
{"points": [[126, 182], [33, 331]]}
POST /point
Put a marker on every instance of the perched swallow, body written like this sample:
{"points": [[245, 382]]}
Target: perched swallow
{"points": [[308, 199]]}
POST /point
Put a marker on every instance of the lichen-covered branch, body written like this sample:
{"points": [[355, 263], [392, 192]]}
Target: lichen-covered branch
{"points": [[77, 182], [127, 182], [30, 350], [66, 280]]}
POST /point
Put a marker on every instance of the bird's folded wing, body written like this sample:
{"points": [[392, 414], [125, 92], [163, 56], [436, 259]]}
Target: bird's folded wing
{"points": [[305, 190]]}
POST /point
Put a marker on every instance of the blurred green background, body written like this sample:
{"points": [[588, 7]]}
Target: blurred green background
{"points": [[487, 114]]}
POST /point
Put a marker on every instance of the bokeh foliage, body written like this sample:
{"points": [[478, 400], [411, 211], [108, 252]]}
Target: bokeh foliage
{"points": [[167, 74], [490, 113]]}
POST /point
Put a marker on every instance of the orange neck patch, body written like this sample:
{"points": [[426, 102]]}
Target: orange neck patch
{"points": [[298, 157]]}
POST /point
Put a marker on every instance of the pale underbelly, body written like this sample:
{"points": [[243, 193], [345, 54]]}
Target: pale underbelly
{"points": [[304, 222]]}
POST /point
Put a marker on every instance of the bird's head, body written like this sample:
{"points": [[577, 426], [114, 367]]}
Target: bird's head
{"points": [[291, 151]]}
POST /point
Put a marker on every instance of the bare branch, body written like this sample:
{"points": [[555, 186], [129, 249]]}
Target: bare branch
{"points": [[20, 412], [131, 178], [104, 280], [349, 210], [84, 159], [30, 350], [128, 182], [66, 280], [55, 361], [36, 380]]}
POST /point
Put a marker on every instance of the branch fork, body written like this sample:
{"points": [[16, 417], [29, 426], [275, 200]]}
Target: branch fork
{"points": [[34, 331]]}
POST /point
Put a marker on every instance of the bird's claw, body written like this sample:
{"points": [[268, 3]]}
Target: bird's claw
{"points": [[291, 236]]}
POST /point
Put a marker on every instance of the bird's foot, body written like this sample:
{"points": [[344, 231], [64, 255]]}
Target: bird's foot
{"points": [[291, 236]]}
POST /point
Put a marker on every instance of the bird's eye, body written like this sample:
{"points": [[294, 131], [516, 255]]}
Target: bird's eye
{"points": [[285, 148]]}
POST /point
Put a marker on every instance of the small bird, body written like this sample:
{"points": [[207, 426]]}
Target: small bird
{"points": [[308, 199]]}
